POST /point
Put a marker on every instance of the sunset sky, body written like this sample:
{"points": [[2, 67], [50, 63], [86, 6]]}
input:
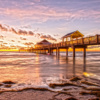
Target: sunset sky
{"points": [[24, 22]]}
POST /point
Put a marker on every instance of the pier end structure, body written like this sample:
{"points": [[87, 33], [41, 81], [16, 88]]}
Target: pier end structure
{"points": [[72, 35]]}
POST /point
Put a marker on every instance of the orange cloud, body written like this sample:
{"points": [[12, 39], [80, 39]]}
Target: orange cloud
{"points": [[12, 40], [23, 38], [1, 37]]}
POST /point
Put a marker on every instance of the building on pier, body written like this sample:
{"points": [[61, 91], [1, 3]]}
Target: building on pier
{"points": [[43, 43], [72, 35]]}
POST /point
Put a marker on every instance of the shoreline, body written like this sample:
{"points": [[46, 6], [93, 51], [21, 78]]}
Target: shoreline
{"points": [[31, 94], [75, 89]]}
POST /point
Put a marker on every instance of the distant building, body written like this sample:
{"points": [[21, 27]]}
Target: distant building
{"points": [[72, 35], [43, 43]]}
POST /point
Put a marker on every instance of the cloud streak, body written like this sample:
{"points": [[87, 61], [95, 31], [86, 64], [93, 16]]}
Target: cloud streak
{"points": [[2, 28], [23, 38], [26, 33], [28, 43], [1, 37], [48, 37], [18, 32], [41, 13]]}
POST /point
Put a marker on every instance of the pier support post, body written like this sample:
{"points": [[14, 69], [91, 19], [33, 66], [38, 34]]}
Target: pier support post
{"points": [[56, 52], [73, 52], [40, 52], [84, 59], [66, 53], [73, 66], [52, 51], [45, 51], [84, 64], [84, 52], [49, 51]]}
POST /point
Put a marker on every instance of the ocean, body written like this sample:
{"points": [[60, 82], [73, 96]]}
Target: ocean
{"points": [[38, 70]]}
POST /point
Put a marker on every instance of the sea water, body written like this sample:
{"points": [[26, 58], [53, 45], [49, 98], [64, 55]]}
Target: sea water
{"points": [[38, 70]]}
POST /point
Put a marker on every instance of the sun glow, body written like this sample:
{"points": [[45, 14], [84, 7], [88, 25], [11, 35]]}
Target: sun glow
{"points": [[9, 49]]}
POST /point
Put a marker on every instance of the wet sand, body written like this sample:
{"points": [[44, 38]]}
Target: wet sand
{"points": [[27, 95], [73, 89], [42, 95]]}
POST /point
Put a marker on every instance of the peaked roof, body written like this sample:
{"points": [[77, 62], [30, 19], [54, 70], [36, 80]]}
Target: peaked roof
{"points": [[68, 34], [45, 42]]}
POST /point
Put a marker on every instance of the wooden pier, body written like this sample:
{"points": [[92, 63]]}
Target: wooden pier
{"points": [[75, 43]]}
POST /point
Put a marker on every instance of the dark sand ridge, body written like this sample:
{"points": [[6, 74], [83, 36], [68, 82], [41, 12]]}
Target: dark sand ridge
{"points": [[74, 89]]}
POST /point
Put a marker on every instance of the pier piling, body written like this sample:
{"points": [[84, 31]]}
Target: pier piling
{"points": [[73, 52], [66, 53]]}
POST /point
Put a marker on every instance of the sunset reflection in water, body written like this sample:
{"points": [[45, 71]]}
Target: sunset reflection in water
{"points": [[38, 69]]}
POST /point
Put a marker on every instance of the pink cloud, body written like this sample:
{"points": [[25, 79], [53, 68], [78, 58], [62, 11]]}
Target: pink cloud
{"points": [[13, 30], [42, 13], [3, 28], [22, 32], [48, 37], [30, 33]]}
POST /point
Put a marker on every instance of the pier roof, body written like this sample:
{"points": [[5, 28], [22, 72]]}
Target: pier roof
{"points": [[43, 42], [74, 34]]}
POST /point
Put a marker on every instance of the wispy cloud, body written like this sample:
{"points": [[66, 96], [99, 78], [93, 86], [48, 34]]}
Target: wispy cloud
{"points": [[2, 28], [48, 37], [12, 40], [28, 43], [26, 33], [13, 30], [1, 37], [30, 33], [42, 14], [18, 32], [23, 38], [22, 32], [26, 26]]}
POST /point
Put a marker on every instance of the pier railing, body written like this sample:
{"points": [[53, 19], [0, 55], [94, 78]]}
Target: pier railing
{"points": [[92, 40]]}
